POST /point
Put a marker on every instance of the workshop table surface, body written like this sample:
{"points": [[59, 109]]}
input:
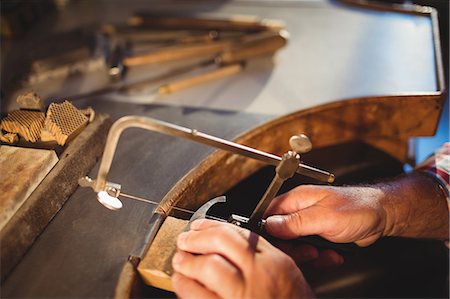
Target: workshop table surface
{"points": [[334, 52]]}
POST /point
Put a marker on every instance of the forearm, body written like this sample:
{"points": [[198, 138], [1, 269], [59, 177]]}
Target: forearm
{"points": [[416, 206]]}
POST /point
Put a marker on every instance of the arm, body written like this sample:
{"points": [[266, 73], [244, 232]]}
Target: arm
{"points": [[221, 260], [412, 205]]}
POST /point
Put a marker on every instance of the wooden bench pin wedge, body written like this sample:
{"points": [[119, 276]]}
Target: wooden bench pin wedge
{"points": [[156, 266]]}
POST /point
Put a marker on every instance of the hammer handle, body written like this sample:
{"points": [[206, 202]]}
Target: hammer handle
{"points": [[193, 81], [250, 46], [176, 53], [253, 46], [236, 23]]}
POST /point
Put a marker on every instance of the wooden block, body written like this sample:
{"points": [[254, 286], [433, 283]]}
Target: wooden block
{"points": [[156, 266], [22, 171], [36, 212]]}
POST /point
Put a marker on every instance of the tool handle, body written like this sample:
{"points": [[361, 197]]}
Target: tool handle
{"points": [[209, 76], [236, 23], [254, 45], [230, 51], [177, 53]]}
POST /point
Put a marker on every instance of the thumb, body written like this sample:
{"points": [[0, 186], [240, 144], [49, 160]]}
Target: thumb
{"points": [[294, 225]]}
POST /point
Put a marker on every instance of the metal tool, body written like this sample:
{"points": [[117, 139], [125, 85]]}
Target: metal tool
{"points": [[286, 166], [285, 169], [230, 54], [201, 212], [191, 134]]}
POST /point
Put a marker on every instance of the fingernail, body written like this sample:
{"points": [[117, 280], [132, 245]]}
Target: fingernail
{"points": [[274, 220], [181, 240]]}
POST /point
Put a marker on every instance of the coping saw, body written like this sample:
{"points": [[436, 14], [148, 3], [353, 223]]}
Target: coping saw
{"points": [[286, 166]]}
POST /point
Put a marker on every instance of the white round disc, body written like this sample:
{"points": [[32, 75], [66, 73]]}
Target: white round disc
{"points": [[111, 202]]}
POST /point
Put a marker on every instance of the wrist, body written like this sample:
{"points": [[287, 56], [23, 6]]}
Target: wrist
{"points": [[415, 207]]}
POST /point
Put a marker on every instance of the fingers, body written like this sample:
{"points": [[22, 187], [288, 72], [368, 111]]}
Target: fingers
{"points": [[368, 241], [299, 253], [328, 258], [305, 253], [213, 237], [201, 224], [217, 274], [300, 223], [187, 288], [296, 199]]}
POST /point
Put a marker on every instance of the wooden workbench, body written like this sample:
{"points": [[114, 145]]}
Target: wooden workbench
{"points": [[335, 52]]}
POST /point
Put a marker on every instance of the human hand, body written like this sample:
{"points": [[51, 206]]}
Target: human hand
{"points": [[412, 205], [309, 255], [342, 215], [221, 260]]}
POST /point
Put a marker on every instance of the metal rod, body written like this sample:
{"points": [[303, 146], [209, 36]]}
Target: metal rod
{"points": [[284, 170], [263, 204]]}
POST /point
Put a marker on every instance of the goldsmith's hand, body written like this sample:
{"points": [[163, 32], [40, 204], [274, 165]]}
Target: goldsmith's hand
{"points": [[409, 206], [221, 260], [337, 214], [305, 254]]}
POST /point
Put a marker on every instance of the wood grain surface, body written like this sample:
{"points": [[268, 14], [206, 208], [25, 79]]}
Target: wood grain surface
{"points": [[334, 53], [22, 171], [156, 266], [49, 197]]}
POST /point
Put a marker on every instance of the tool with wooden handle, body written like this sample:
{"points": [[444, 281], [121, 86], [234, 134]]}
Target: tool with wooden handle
{"points": [[227, 51], [231, 60], [235, 23], [217, 73], [252, 46], [178, 52]]}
